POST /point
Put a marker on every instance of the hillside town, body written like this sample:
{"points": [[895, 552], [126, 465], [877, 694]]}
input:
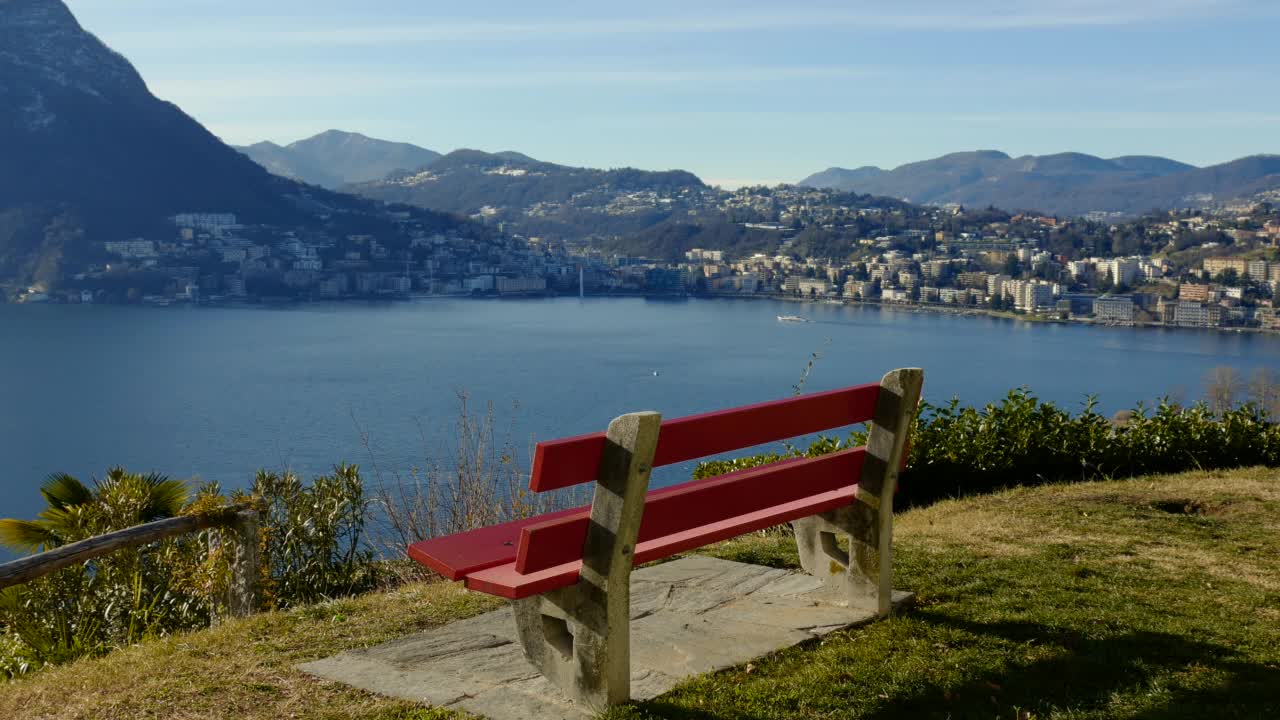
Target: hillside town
{"points": [[1184, 269]]}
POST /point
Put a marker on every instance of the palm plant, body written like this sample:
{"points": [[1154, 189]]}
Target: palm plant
{"points": [[116, 600], [77, 511]]}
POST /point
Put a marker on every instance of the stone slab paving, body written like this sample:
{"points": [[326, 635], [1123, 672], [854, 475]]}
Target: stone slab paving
{"points": [[694, 615]]}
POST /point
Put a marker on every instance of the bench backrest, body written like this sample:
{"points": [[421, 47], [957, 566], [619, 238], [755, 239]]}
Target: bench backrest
{"points": [[573, 461], [765, 491]]}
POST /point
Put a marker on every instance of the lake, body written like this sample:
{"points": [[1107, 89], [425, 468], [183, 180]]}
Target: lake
{"points": [[217, 393]]}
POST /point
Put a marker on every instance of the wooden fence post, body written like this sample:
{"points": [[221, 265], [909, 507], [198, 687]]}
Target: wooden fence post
{"points": [[242, 590], [240, 539]]}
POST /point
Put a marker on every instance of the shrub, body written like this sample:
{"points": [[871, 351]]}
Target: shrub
{"points": [[313, 544], [1020, 440], [312, 547]]}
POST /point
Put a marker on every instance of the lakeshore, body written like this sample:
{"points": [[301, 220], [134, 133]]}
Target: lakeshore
{"points": [[950, 309]]}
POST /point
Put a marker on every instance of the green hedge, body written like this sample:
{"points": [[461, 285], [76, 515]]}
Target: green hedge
{"points": [[1020, 440]]}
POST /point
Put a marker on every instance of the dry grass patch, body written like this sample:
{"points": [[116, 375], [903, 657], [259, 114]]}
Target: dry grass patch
{"points": [[1223, 524], [244, 668]]}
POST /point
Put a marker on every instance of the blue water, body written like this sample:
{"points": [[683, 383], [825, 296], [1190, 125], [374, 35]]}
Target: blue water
{"points": [[219, 393]]}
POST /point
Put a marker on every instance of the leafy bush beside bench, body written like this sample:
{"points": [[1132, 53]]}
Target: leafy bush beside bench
{"points": [[957, 451]]}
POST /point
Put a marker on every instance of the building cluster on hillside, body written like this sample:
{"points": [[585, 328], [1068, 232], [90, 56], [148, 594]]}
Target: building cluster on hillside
{"points": [[1223, 292], [995, 269], [211, 257], [1190, 269]]}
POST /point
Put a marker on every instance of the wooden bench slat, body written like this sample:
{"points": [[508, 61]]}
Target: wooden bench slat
{"points": [[694, 504], [456, 556], [505, 581], [573, 461]]}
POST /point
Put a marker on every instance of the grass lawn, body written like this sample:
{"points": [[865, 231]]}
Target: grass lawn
{"points": [[1148, 598]]}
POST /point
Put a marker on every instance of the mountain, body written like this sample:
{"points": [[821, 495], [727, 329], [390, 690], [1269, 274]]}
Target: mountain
{"points": [[840, 178], [1063, 184], [88, 154], [335, 158], [1151, 164], [85, 144], [79, 127], [541, 198]]}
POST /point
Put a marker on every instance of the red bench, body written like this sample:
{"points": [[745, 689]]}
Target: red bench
{"points": [[568, 572]]}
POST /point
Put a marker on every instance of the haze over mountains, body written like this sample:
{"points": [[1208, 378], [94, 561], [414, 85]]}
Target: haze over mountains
{"points": [[335, 158], [1061, 184], [541, 198], [465, 180]]}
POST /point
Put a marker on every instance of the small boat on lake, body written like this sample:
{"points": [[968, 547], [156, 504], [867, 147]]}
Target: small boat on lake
{"points": [[792, 318]]}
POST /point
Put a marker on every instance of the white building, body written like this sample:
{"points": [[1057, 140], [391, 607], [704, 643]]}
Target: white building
{"points": [[481, 283], [209, 222], [863, 289], [1030, 295], [697, 254], [136, 248], [996, 283], [813, 286], [1123, 271], [1189, 313], [515, 285], [1257, 270], [935, 269], [1078, 268], [1114, 308]]}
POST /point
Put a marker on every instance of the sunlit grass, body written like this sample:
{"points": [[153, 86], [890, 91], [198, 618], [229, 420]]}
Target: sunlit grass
{"points": [[1144, 599]]}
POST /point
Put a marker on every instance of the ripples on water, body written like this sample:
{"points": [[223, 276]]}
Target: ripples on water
{"points": [[217, 393]]}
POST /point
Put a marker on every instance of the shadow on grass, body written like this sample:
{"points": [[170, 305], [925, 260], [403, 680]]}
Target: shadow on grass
{"points": [[1086, 675]]}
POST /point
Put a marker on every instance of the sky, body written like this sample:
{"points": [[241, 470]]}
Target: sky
{"points": [[738, 92]]}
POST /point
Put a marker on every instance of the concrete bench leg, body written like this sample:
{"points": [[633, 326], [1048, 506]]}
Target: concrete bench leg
{"points": [[841, 547], [863, 574], [579, 637]]}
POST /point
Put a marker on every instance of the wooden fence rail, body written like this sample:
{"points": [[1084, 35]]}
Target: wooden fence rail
{"points": [[240, 523]]}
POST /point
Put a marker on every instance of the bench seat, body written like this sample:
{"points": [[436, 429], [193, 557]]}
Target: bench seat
{"points": [[505, 581], [457, 556]]}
